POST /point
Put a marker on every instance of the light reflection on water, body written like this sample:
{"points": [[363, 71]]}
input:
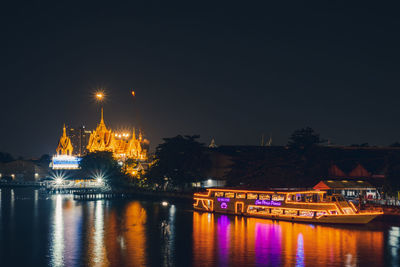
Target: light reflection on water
{"points": [[394, 244], [134, 233], [271, 243], [300, 251], [98, 258], [57, 241]]}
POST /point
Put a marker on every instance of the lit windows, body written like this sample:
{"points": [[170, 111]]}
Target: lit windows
{"points": [[252, 196], [278, 197], [219, 194], [240, 195], [264, 197], [230, 195]]}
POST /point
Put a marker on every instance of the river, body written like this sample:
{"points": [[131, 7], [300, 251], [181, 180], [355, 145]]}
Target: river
{"points": [[54, 230]]}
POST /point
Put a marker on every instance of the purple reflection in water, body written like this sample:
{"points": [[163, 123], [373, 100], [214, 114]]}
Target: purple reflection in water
{"points": [[223, 240], [268, 246], [300, 251]]}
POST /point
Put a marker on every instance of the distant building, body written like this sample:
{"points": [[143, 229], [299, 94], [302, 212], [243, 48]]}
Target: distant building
{"points": [[80, 138], [23, 170], [349, 188], [65, 162]]}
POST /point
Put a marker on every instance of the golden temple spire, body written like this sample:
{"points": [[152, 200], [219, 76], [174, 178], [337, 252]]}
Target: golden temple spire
{"points": [[134, 133], [102, 118], [64, 145]]}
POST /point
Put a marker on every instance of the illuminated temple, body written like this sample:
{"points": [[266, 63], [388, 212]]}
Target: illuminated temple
{"points": [[64, 158], [122, 145], [64, 145]]}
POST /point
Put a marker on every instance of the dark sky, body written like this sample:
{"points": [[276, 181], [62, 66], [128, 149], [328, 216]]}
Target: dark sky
{"points": [[231, 71]]}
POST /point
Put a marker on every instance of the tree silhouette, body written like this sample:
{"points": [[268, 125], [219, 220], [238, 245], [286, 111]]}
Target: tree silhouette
{"points": [[103, 165], [179, 161], [5, 157], [304, 138]]}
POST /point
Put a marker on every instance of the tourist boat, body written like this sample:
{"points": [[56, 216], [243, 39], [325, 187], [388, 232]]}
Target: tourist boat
{"points": [[297, 206]]}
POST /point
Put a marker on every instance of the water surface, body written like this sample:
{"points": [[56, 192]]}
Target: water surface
{"points": [[41, 230]]}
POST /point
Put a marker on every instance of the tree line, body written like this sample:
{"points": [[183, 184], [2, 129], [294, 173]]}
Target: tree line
{"points": [[182, 160]]}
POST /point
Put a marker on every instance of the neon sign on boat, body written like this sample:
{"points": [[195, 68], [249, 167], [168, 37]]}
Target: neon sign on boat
{"points": [[267, 203]]}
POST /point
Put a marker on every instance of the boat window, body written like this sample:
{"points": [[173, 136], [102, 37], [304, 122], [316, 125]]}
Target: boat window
{"points": [[278, 197], [264, 197], [276, 211], [209, 204], [260, 210], [348, 211], [314, 198], [252, 196], [229, 195], [219, 194], [291, 212], [306, 213], [240, 195], [320, 213]]}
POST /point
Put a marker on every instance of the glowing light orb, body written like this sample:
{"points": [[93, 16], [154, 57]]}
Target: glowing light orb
{"points": [[99, 95], [133, 93], [164, 203]]}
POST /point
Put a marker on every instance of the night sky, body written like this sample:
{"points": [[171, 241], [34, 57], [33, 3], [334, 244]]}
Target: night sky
{"points": [[231, 71]]}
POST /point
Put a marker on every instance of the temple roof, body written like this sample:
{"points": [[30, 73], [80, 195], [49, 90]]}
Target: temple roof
{"points": [[64, 144]]}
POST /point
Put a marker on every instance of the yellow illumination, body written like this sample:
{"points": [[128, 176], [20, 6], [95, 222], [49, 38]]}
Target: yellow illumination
{"points": [[326, 212], [100, 96]]}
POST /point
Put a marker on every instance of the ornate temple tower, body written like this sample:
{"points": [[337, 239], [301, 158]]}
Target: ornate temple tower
{"points": [[121, 145], [64, 145], [101, 139]]}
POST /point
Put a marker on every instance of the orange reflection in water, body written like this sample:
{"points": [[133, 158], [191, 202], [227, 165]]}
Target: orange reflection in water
{"points": [[117, 239], [236, 241], [134, 240], [203, 238]]}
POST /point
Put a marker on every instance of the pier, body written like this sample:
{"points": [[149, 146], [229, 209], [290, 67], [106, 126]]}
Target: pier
{"points": [[98, 195]]}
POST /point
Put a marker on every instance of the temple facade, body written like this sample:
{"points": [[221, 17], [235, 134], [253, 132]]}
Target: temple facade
{"points": [[122, 145], [64, 145]]}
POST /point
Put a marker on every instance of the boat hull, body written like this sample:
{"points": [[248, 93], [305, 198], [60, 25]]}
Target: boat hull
{"points": [[326, 219]]}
